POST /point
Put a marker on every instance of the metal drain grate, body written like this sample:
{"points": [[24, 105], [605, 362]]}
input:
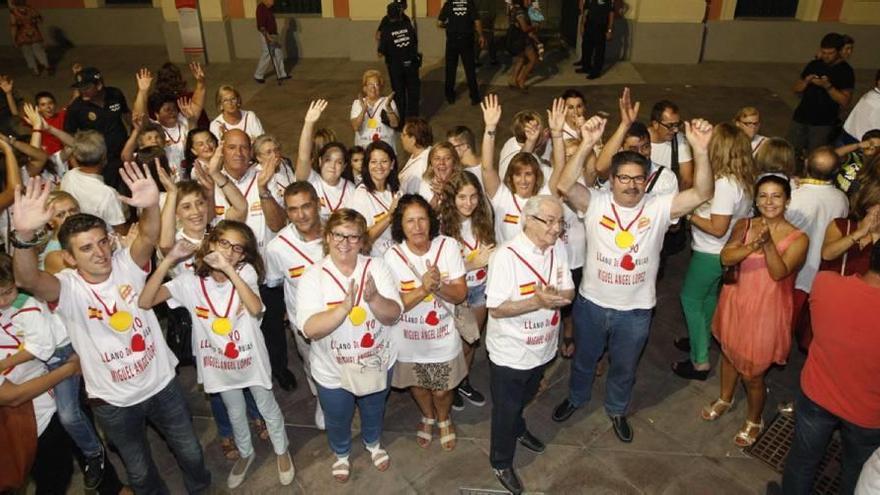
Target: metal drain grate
{"points": [[480, 491], [774, 443]]}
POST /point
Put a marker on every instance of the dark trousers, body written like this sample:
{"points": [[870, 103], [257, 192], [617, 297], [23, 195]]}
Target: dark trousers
{"points": [[461, 45], [813, 428], [489, 34], [407, 87], [511, 391], [273, 327], [53, 466], [593, 47]]}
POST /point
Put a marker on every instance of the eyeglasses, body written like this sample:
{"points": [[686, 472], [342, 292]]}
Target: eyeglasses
{"points": [[349, 238], [550, 222], [236, 248], [750, 124], [626, 179], [672, 125], [229, 100]]}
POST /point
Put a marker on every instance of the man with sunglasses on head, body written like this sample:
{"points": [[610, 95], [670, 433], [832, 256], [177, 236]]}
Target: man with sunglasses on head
{"points": [[669, 148], [625, 228]]}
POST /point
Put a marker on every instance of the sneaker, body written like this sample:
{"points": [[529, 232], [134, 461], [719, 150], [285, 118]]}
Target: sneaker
{"points": [[471, 394], [93, 472], [457, 402]]}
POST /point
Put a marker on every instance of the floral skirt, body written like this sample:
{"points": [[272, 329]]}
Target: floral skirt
{"points": [[432, 376]]}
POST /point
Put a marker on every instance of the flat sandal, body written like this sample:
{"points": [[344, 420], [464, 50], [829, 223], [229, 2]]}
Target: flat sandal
{"points": [[743, 438], [710, 412]]}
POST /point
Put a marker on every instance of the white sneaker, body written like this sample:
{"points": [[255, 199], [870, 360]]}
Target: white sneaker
{"points": [[319, 417], [286, 477], [236, 479]]}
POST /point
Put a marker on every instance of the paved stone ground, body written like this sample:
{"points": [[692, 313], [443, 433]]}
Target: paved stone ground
{"points": [[674, 451]]}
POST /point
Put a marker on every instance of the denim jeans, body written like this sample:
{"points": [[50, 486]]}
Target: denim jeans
{"points": [[221, 416], [624, 333], [813, 428], [70, 411], [511, 390], [167, 411], [338, 405], [265, 399]]}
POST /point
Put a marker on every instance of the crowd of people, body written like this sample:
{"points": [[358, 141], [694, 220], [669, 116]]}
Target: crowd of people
{"points": [[148, 237]]}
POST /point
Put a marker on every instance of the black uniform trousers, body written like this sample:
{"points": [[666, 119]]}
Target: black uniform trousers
{"points": [[273, 328], [593, 46], [407, 86], [511, 390], [461, 45]]}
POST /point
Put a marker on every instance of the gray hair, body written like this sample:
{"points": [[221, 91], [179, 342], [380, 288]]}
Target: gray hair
{"points": [[263, 139], [533, 205], [89, 148]]}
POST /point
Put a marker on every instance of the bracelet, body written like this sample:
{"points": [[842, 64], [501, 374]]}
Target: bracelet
{"points": [[39, 238], [490, 133]]}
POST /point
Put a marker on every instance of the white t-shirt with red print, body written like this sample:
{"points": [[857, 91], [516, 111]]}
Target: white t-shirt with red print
{"points": [[508, 208], [332, 198], [374, 206], [126, 363], [623, 250], [469, 248], [231, 355], [516, 270], [288, 257], [426, 333]]}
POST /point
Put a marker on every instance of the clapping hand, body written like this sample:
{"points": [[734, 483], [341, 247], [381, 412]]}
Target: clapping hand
{"points": [[182, 250], [350, 297], [267, 171], [699, 133], [556, 116], [29, 212], [491, 110], [549, 297], [144, 192], [32, 116], [629, 111], [592, 130], [431, 279], [218, 262], [481, 259], [370, 290], [316, 108]]}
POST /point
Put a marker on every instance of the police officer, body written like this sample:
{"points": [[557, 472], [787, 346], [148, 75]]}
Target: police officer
{"points": [[461, 19], [399, 44], [598, 24]]}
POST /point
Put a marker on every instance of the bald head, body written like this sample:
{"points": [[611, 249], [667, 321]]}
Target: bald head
{"points": [[822, 163], [236, 152]]}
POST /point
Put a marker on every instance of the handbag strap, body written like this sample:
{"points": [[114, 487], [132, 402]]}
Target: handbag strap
{"points": [[846, 253]]}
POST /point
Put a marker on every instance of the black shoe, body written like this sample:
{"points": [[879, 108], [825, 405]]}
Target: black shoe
{"points": [[508, 478], [773, 488], [286, 380], [594, 76], [285, 77], [260, 81], [450, 99], [685, 369], [582, 71], [621, 428], [457, 402], [682, 344], [471, 394], [531, 442], [93, 472], [563, 411]]}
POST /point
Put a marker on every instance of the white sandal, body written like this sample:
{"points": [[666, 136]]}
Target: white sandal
{"points": [[341, 469], [381, 459], [423, 438], [710, 412], [449, 437], [743, 438]]}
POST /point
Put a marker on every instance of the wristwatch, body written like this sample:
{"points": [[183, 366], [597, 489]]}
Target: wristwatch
{"points": [[266, 194]]}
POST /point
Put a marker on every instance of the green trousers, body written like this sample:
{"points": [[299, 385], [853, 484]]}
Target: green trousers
{"points": [[699, 296]]}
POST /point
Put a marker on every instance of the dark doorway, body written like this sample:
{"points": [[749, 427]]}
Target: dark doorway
{"points": [[766, 8]]}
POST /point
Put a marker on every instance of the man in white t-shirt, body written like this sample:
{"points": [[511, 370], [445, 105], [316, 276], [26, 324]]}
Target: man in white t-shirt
{"points": [[293, 251], [127, 366], [529, 282], [814, 204], [625, 228], [667, 141], [865, 115], [85, 182]]}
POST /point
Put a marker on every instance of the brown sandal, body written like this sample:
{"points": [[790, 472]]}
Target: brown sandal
{"points": [[262, 431], [230, 451]]}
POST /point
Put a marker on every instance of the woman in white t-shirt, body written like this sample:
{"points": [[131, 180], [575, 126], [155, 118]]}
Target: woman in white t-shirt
{"points": [[222, 297], [367, 109], [376, 197], [347, 304], [443, 164], [735, 171], [749, 120], [431, 276], [232, 116], [200, 146], [328, 172]]}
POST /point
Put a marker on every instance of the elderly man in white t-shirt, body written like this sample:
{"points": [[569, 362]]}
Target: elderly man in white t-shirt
{"points": [[529, 282], [127, 366], [625, 229]]}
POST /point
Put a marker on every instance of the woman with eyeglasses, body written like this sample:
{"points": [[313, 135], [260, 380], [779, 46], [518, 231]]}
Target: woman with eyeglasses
{"points": [[231, 116], [374, 117], [735, 170], [376, 197], [329, 172], [749, 120], [753, 319], [347, 304]]}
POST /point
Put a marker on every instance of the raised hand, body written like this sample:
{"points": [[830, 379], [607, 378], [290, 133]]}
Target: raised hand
{"points": [[182, 250], [629, 111], [76, 68], [218, 262], [197, 71], [29, 212], [215, 164], [266, 172], [32, 117], [532, 131], [203, 178], [144, 79], [592, 129], [316, 108], [186, 107], [144, 192], [556, 115], [166, 181], [137, 121], [491, 110], [6, 84], [699, 133]]}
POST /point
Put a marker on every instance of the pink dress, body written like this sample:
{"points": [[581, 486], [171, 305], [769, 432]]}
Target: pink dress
{"points": [[753, 318]]}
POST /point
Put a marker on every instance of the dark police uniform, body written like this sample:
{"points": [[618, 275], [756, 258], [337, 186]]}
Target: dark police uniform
{"points": [[593, 40], [107, 119], [459, 17], [399, 44]]}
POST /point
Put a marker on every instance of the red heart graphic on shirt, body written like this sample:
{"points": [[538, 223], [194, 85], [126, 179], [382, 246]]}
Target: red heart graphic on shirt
{"points": [[432, 318], [627, 263], [367, 340], [231, 350], [137, 343], [555, 319], [481, 274], [376, 138]]}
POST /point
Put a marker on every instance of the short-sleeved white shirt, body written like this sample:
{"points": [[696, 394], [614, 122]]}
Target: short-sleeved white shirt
{"points": [[249, 124], [175, 144], [730, 199], [426, 333], [515, 270], [288, 256], [374, 206], [477, 170], [508, 212], [332, 198], [256, 220], [573, 237], [122, 368], [865, 115], [624, 278], [411, 173], [469, 248], [94, 196], [812, 208], [665, 183], [372, 128], [661, 153], [757, 141], [346, 347], [233, 361]]}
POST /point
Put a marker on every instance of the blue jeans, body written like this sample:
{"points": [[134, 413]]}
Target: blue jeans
{"points": [[221, 416], [167, 411], [813, 428], [338, 405], [624, 333], [70, 411]]}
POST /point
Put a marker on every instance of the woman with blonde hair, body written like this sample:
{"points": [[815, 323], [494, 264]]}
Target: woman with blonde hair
{"points": [[374, 117], [231, 116], [735, 169], [749, 120], [443, 164], [776, 155]]}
